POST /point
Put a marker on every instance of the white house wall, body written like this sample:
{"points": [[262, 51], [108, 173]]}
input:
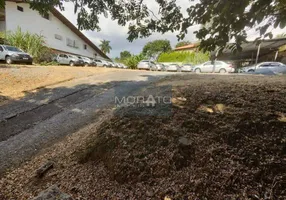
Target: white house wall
{"points": [[2, 26], [31, 21]]}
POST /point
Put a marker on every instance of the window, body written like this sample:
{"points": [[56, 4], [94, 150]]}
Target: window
{"points": [[1, 49], [72, 43], [46, 16], [58, 37], [20, 8], [85, 47], [208, 63]]}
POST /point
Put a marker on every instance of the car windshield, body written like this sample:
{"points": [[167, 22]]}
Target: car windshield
{"points": [[10, 48]]}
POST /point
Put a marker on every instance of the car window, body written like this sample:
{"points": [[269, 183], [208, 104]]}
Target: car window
{"points": [[1, 49], [275, 65], [218, 63], [15, 49], [265, 65], [208, 63]]}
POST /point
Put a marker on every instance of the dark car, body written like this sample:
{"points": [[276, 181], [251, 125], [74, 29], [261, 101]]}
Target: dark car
{"points": [[12, 55]]}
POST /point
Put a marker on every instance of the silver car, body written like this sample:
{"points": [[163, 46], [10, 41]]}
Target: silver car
{"points": [[12, 54], [208, 67], [66, 59], [101, 63], [263, 65], [173, 67], [87, 61], [187, 68], [146, 64]]}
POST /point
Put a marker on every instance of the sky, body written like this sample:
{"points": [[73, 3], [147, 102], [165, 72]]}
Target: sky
{"points": [[117, 35]]}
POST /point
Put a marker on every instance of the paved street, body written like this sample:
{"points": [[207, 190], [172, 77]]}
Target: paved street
{"points": [[35, 121]]}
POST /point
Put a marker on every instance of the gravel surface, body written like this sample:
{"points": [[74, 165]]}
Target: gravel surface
{"points": [[18, 81], [225, 139], [31, 123]]}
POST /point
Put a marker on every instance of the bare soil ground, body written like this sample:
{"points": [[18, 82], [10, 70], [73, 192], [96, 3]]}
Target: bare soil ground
{"points": [[17, 80], [224, 139]]}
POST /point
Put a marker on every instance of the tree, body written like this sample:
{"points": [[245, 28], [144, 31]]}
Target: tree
{"points": [[229, 19], [105, 46], [182, 43], [155, 47], [124, 55]]}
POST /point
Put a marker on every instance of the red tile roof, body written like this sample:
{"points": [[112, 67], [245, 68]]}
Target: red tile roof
{"points": [[189, 46]]}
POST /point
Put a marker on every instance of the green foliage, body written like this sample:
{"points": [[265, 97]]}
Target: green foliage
{"points": [[33, 44], [182, 43], [132, 61], [156, 47], [124, 55], [281, 35], [184, 57], [105, 46]]}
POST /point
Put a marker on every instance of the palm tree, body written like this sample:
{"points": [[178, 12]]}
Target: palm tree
{"points": [[105, 46]]}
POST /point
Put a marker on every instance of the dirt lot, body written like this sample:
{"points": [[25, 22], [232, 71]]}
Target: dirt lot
{"points": [[224, 139], [17, 80]]}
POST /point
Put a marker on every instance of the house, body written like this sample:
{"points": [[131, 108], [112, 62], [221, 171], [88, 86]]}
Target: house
{"points": [[189, 47], [60, 34]]}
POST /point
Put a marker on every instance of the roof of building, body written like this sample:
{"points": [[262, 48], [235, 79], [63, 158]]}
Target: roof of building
{"points": [[249, 49], [65, 21], [186, 47]]}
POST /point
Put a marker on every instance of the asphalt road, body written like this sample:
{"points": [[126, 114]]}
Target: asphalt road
{"points": [[38, 120]]}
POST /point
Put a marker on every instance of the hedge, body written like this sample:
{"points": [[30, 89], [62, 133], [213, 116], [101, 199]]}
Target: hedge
{"points": [[184, 57]]}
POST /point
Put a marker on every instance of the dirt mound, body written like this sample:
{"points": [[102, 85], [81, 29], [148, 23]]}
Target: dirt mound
{"points": [[219, 143]]}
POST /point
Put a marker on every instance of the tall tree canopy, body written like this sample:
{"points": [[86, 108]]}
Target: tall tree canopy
{"points": [[182, 43], [124, 55], [105, 46], [229, 19], [155, 47]]}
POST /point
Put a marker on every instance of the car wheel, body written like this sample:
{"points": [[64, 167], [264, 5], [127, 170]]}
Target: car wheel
{"points": [[198, 70], [251, 70], [8, 60], [86, 64], [30, 63], [222, 71], [71, 63], [104, 65]]}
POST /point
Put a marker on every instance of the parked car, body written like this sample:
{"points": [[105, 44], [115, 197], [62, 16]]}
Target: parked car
{"points": [[173, 67], [12, 54], [66, 59], [87, 61], [123, 66], [146, 64], [101, 63], [263, 65], [111, 64], [220, 67], [186, 68], [159, 67]]}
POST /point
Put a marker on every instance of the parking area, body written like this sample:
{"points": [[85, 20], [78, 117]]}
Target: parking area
{"points": [[18, 80]]}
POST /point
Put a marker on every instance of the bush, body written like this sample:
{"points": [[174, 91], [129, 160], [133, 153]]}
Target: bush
{"points": [[184, 57], [133, 61], [33, 44]]}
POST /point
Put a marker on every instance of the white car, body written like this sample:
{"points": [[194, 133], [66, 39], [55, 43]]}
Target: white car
{"points": [[186, 68], [66, 59], [101, 63], [208, 67], [173, 67], [146, 64], [263, 65], [87, 61]]}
